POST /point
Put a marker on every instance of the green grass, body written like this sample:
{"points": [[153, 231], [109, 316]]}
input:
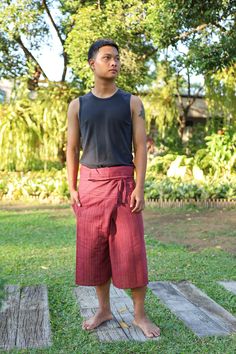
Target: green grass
{"points": [[38, 247]]}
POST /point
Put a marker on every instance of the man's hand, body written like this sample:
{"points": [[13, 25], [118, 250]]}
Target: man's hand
{"points": [[137, 200], [74, 198]]}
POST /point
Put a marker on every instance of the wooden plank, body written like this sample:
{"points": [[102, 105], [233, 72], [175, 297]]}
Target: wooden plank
{"points": [[229, 285], [9, 317], [207, 305], [33, 324], [120, 327], [200, 313]]}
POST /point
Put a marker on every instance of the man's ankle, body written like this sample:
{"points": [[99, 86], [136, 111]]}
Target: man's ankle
{"points": [[140, 315], [104, 309]]}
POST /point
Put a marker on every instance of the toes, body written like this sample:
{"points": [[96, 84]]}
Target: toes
{"points": [[85, 325], [157, 333]]}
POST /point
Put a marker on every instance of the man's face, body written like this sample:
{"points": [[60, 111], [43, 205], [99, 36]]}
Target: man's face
{"points": [[106, 63]]}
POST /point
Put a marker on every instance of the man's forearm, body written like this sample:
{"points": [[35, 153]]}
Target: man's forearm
{"points": [[140, 162], [72, 163]]}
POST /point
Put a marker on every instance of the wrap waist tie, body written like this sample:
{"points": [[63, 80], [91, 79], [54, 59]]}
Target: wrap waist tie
{"points": [[122, 185]]}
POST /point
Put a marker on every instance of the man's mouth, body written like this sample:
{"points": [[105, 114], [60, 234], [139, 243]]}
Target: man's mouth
{"points": [[114, 70]]}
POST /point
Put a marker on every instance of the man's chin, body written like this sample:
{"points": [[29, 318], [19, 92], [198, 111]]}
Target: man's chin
{"points": [[110, 77]]}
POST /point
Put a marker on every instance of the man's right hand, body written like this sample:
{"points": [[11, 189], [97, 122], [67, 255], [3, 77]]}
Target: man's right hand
{"points": [[74, 198]]}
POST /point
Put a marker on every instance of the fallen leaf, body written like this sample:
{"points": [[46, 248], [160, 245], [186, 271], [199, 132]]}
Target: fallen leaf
{"points": [[122, 310], [123, 325]]}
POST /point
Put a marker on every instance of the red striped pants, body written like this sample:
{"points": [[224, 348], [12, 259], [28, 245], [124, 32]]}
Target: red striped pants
{"points": [[109, 237]]}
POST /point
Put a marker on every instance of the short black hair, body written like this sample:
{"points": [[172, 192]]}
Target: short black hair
{"points": [[98, 44]]}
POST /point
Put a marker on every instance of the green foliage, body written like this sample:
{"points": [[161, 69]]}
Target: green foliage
{"points": [[159, 165], [38, 247], [33, 129], [125, 23], [209, 174], [160, 100], [20, 19], [51, 185], [219, 157], [221, 98], [206, 28], [176, 189]]}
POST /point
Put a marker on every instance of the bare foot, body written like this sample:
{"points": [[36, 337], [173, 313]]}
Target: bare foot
{"points": [[149, 328], [96, 320]]}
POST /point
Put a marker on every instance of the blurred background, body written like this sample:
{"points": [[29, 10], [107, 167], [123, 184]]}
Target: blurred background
{"points": [[179, 57]]}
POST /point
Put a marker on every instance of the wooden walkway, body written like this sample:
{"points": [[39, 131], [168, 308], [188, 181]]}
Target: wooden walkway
{"points": [[121, 327], [199, 313], [25, 322], [24, 318], [229, 285]]}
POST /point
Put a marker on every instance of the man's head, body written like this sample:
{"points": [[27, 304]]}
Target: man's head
{"points": [[95, 46], [103, 58]]}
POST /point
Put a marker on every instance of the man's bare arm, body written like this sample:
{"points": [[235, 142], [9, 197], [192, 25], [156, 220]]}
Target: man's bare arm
{"points": [[140, 149], [73, 149]]}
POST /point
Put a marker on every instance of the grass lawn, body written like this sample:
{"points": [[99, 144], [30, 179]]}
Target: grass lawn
{"points": [[37, 246]]}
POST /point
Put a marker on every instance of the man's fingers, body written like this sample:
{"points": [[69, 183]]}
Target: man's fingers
{"points": [[74, 201], [137, 206], [132, 201]]}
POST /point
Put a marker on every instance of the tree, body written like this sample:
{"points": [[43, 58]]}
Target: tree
{"points": [[20, 21], [206, 28], [160, 103], [221, 98], [78, 24], [124, 22], [33, 130]]}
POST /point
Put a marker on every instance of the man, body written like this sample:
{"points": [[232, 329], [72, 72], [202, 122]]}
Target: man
{"points": [[108, 203]]}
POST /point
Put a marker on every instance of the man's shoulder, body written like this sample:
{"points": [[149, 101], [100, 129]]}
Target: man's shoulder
{"points": [[134, 97], [135, 100], [75, 103], [74, 106], [125, 93]]}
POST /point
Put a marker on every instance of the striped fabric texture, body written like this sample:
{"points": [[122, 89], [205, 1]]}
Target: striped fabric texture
{"points": [[109, 237]]}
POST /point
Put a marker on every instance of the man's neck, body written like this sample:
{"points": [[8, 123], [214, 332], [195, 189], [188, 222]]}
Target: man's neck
{"points": [[104, 89]]}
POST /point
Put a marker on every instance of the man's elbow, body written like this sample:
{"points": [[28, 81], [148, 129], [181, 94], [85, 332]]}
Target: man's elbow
{"points": [[72, 149], [140, 147]]}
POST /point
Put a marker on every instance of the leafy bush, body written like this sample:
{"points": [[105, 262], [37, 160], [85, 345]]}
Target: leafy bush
{"points": [[219, 157], [176, 189], [33, 129], [53, 186], [50, 185], [160, 164]]}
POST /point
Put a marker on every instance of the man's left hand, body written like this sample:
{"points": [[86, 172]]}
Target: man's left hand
{"points": [[137, 202]]}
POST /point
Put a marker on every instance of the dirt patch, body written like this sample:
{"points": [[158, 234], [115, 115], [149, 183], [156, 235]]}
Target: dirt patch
{"points": [[196, 230]]}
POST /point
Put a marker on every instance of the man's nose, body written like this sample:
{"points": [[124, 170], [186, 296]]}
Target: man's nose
{"points": [[114, 62]]}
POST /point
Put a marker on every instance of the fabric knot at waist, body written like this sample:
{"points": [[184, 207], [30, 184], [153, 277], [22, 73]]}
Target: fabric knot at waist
{"points": [[122, 174]]}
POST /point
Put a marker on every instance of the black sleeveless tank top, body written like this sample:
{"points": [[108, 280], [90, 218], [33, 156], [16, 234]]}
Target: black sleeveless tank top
{"points": [[106, 130]]}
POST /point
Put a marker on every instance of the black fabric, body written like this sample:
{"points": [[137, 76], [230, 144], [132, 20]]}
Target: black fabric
{"points": [[106, 130]]}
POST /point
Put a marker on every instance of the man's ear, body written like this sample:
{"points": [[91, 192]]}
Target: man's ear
{"points": [[91, 63]]}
